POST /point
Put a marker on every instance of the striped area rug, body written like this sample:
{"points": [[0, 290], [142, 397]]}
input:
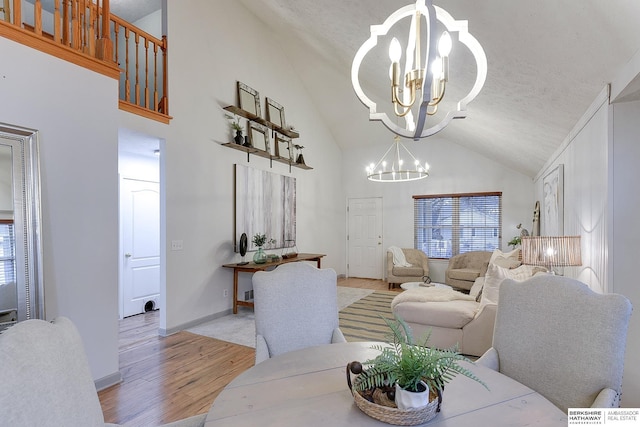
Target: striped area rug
{"points": [[361, 320]]}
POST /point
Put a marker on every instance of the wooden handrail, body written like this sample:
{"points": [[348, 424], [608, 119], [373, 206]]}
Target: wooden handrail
{"points": [[88, 30], [149, 88]]}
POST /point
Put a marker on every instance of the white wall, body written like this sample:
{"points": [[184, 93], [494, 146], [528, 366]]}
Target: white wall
{"points": [[584, 156], [454, 169], [233, 45], [625, 174], [75, 111], [600, 171]]}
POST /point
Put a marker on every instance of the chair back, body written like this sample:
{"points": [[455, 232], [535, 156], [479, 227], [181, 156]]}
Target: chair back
{"points": [[46, 379], [295, 306], [560, 338]]}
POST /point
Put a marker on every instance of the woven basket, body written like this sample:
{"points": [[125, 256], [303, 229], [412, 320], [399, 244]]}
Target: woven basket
{"points": [[399, 417]]}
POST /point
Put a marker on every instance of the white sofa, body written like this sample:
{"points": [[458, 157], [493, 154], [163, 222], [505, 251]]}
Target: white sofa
{"points": [[455, 318]]}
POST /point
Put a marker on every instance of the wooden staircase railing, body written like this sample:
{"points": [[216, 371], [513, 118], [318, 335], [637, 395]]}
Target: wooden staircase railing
{"points": [[86, 33]]}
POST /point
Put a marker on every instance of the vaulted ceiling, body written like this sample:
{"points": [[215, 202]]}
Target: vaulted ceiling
{"points": [[547, 59]]}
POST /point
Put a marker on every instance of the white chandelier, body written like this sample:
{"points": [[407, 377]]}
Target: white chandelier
{"points": [[392, 168], [424, 87]]}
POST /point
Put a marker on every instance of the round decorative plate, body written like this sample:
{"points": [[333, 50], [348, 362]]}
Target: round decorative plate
{"points": [[243, 244]]}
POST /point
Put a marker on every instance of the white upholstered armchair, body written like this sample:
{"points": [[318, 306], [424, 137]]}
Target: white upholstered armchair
{"points": [[416, 272], [46, 379], [558, 337], [295, 306]]}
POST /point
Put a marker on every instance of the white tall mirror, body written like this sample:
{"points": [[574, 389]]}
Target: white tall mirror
{"points": [[21, 285]]}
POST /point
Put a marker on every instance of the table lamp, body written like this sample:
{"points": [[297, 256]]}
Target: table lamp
{"points": [[551, 251]]}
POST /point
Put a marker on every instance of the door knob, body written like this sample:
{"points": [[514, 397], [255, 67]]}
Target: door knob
{"points": [[128, 255]]}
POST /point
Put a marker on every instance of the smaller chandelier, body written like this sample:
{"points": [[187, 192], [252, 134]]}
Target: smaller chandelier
{"points": [[391, 167]]}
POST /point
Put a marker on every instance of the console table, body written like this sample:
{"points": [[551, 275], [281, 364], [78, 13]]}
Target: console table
{"points": [[252, 267]]}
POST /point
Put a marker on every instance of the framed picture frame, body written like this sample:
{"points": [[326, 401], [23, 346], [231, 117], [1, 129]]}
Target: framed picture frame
{"points": [[248, 99], [275, 113], [553, 202], [283, 147], [258, 136]]}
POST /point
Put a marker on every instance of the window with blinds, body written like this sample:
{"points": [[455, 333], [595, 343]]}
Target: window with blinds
{"points": [[7, 254], [450, 224]]}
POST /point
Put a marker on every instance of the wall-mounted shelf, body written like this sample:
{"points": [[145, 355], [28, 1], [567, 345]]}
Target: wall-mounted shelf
{"points": [[262, 153], [247, 115], [266, 155]]}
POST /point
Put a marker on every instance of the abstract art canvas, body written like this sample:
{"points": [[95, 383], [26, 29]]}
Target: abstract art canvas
{"points": [[265, 203], [553, 202]]}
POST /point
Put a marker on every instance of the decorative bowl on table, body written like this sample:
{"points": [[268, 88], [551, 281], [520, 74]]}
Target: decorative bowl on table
{"points": [[379, 403]]}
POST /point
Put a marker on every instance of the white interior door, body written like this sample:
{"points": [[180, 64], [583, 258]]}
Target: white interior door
{"points": [[140, 219], [365, 238]]}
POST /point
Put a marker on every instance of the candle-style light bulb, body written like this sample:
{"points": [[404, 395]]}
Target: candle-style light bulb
{"points": [[395, 50], [444, 44]]}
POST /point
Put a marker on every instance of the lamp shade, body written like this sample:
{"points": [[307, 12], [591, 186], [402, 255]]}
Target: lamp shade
{"points": [[552, 251]]}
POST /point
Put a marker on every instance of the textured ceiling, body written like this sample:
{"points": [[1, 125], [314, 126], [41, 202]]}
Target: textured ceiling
{"points": [[548, 60]]}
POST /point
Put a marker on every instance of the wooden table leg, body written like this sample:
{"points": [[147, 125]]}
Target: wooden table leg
{"points": [[235, 291]]}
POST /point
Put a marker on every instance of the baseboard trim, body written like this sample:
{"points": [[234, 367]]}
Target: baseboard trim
{"points": [[108, 381], [166, 332]]}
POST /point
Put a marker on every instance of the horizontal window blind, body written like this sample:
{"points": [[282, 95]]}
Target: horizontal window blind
{"points": [[451, 224], [7, 254]]}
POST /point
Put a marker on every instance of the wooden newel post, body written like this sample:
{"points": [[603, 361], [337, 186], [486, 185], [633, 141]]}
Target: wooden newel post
{"points": [[104, 48]]}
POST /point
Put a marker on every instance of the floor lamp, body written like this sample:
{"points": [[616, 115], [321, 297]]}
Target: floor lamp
{"points": [[551, 251]]}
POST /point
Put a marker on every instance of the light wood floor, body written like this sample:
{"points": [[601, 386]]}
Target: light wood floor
{"points": [[169, 378]]}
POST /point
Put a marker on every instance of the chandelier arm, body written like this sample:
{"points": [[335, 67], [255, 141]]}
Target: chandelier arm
{"points": [[443, 89], [398, 113], [382, 159], [396, 98], [407, 150]]}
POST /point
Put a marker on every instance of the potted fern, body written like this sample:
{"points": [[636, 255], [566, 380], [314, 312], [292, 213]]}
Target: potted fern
{"points": [[407, 371]]}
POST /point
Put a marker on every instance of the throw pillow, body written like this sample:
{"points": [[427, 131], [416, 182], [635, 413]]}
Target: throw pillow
{"points": [[495, 276], [476, 289], [514, 254], [501, 261]]}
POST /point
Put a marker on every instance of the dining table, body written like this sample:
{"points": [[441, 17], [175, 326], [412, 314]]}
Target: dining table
{"points": [[308, 387]]}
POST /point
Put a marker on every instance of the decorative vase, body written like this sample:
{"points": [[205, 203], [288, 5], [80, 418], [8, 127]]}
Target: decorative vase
{"points": [[260, 257], [406, 399], [238, 138]]}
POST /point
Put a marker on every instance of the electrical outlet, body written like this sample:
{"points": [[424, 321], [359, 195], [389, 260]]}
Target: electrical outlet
{"points": [[225, 293], [247, 295], [176, 245]]}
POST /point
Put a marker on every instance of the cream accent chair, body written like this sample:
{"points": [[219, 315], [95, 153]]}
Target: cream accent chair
{"points": [[558, 337], [46, 379], [419, 267], [464, 269], [295, 306]]}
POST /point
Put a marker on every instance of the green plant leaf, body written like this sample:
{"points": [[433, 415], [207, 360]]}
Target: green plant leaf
{"points": [[406, 363]]}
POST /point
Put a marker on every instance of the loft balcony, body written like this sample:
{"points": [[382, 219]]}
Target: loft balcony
{"points": [[85, 33]]}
